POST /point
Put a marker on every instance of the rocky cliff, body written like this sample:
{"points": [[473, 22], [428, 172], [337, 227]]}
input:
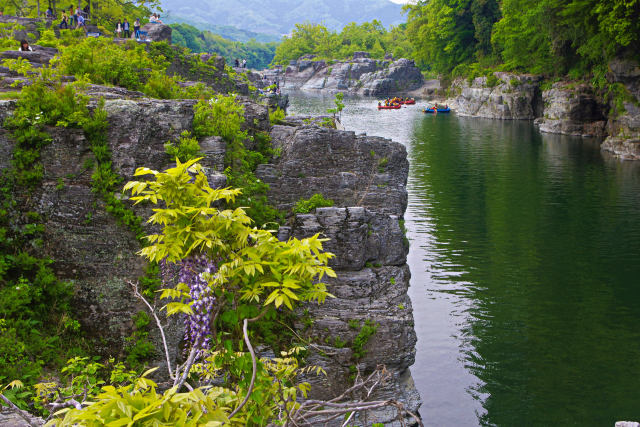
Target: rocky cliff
{"points": [[504, 96], [623, 127], [361, 75], [366, 176], [570, 108]]}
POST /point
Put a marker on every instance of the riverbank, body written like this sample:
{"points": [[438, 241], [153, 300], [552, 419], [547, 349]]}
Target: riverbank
{"points": [[562, 107], [370, 321], [522, 244], [360, 75]]}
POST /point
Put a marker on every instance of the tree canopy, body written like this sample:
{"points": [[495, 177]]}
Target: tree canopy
{"points": [[542, 36], [316, 39]]}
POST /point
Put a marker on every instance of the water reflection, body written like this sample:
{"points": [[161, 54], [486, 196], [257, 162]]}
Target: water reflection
{"points": [[525, 262]]}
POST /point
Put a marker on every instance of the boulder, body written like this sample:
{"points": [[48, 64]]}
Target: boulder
{"points": [[158, 32], [505, 97], [572, 110], [400, 77], [361, 75], [38, 57], [352, 170], [25, 28]]}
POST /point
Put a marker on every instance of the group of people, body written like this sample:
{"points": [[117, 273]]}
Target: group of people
{"points": [[155, 19], [123, 29], [241, 64], [75, 19], [390, 102]]}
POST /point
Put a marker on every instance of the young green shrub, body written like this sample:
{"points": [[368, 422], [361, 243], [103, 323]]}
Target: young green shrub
{"points": [[276, 116], [316, 201], [186, 148]]}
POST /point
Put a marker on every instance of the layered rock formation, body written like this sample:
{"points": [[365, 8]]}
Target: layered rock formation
{"points": [[623, 127], [99, 256], [361, 75], [572, 109], [366, 178], [566, 107], [506, 97]]}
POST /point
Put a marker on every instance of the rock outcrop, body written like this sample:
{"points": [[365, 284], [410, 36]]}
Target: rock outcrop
{"points": [[352, 170], [361, 75], [157, 32], [24, 28], [504, 96], [623, 127], [572, 109], [366, 178], [11, 419]]}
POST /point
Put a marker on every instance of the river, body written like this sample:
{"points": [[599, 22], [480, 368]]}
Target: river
{"points": [[525, 262]]}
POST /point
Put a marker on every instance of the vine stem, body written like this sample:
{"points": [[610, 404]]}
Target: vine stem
{"points": [[254, 363], [153, 313]]}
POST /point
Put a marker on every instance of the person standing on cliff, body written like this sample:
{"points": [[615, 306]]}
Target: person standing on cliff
{"points": [[64, 21], [118, 29], [136, 29], [125, 29], [244, 63], [72, 17], [80, 20]]}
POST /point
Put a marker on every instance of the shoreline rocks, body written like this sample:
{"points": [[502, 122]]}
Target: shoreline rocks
{"points": [[360, 75], [567, 108]]}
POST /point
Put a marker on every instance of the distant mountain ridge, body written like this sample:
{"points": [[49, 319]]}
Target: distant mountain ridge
{"points": [[277, 17]]}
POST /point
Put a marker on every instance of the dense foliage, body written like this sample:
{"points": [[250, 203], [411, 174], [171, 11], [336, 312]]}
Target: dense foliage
{"points": [[552, 37], [316, 39], [258, 55], [104, 13]]}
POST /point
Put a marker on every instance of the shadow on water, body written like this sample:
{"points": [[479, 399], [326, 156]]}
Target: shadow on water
{"points": [[525, 262]]}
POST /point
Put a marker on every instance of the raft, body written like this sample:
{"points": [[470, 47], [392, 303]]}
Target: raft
{"points": [[439, 110], [410, 102], [389, 107]]}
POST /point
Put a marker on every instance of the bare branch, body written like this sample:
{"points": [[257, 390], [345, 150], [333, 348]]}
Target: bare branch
{"points": [[253, 363], [179, 381], [153, 313]]}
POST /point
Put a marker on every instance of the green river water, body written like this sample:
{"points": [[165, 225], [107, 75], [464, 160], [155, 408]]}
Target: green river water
{"points": [[525, 262]]}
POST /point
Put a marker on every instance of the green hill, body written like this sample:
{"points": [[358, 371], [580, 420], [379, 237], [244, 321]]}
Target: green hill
{"points": [[277, 17]]}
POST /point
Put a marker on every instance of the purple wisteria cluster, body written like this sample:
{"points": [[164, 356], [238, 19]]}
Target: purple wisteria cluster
{"points": [[192, 271]]}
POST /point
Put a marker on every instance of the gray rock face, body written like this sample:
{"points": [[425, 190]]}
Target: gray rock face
{"points": [[370, 248], [352, 170], [371, 286], [24, 27], [38, 57], [361, 75], [366, 176], [11, 419], [158, 32], [402, 76], [514, 97], [572, 110], [624, 126]]}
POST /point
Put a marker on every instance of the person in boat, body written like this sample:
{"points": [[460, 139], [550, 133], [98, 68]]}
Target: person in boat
{"points": [[379, 104]]}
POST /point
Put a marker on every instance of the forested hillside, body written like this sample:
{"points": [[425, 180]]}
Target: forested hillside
{"points": [[258, 55], [319, 40], [280, 16], [555, 37], [469, 37]]}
